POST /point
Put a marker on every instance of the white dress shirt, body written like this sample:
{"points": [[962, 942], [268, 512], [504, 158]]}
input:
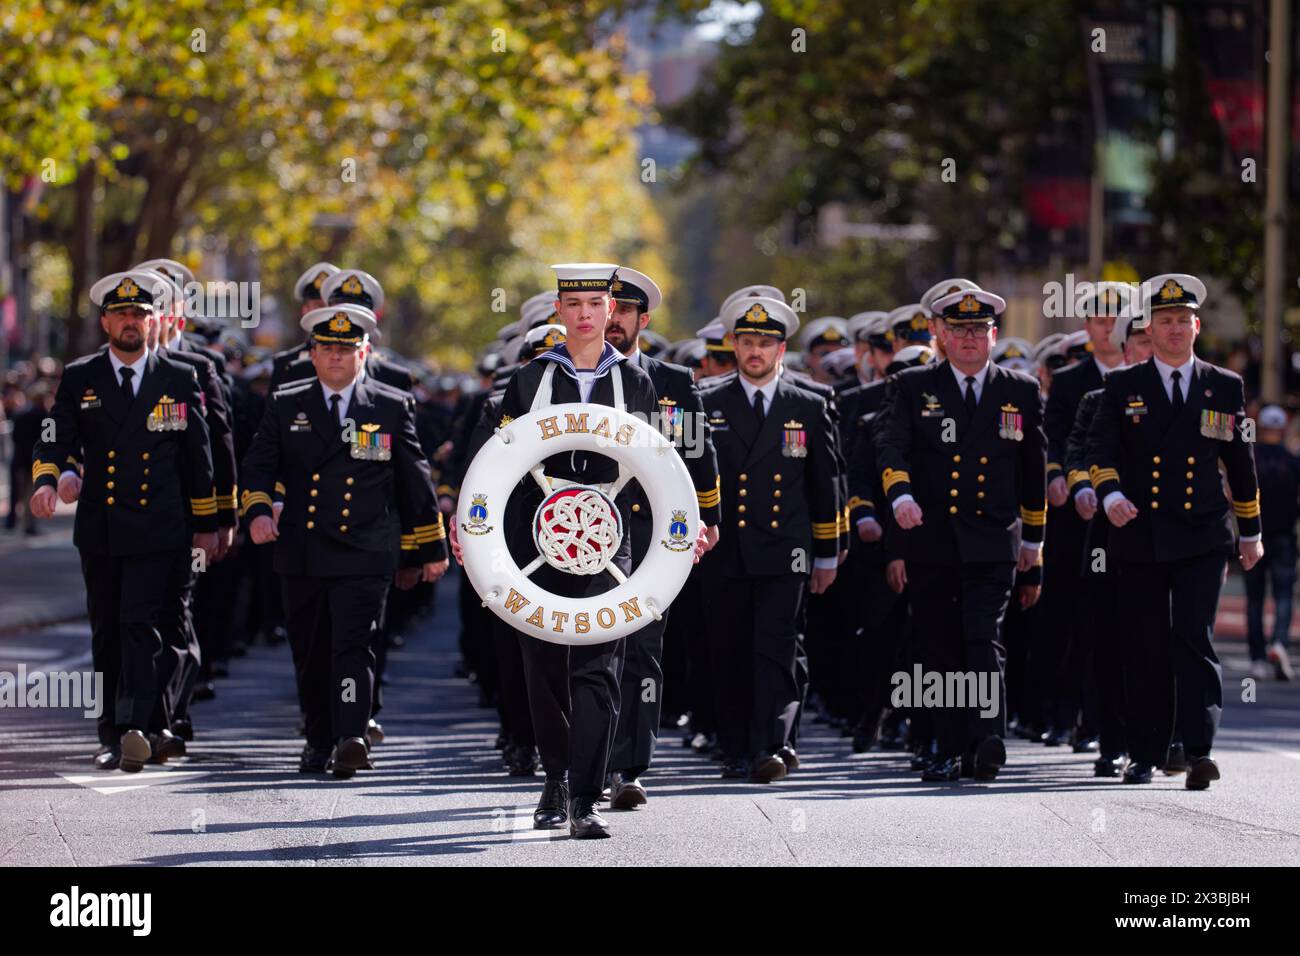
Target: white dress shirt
{"points": [[137, 367], [980, 376], [345, 397]]}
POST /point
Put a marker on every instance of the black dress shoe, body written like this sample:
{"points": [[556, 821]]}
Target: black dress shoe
{"points": [[276, 635], [789, 758], [942, 770], [108, 758], [374, 733], [1138, 773], [767, 768], [183, 728], [585, 821], [313, 760], [1056, 738], [625, 794], [1176, 762], [165, 745], [735, 770], [702, 743], [920, 760], [502, 742], [521, 761], [1200, 772], [1087, 745], [893, 734], [1109, 765], [552, 809], [968, 765], [990, 757], [349, 756], [135, 751]]}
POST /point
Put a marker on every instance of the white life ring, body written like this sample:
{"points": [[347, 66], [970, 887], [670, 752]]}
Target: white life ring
{"points": [[580, 535]]}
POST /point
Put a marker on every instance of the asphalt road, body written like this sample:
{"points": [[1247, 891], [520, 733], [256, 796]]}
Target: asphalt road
{"points": [[439, 796]]}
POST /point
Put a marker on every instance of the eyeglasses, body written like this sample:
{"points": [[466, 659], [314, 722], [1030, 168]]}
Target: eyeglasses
{"points": [[969, 330]]}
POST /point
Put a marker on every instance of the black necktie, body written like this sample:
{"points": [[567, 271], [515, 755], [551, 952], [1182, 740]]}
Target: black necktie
{"points": [[1177, 399], [758, 407], [970, 395], [126, 384], [334, 410]]}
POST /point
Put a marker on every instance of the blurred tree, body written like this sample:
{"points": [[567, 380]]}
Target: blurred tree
{"points": [[867, 114], [423, 143]]}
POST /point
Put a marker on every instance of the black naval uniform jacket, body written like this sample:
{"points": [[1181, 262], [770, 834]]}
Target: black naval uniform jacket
{"points": [[590, 468], [980, 495], [144, 488], [216, 411], [677, 400], [1069, 385], [342, 499], [832, 408], [1168, 466], [780, 483]]}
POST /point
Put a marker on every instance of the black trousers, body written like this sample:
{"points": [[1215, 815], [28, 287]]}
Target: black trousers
{"points": [[331, 623], [574, 699], [1172, 677], [754, 638], [879, 645], [1105, 628], [958, 613], [182, 657], [125, 598], [687, 624], [641, 688], [512, 689]]}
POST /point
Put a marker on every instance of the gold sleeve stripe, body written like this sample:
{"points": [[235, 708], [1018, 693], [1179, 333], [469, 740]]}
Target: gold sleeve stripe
{"points": [[226, 502], [707, 499], [1054, 466], [429, 536], [857, 502], [1033, 517], [889, 477], [1075, 476], [825, 524], [279, 488], [1247, 509], [825, 535], [44, 468], [1103, 474], [409, 546], [204, 510]]}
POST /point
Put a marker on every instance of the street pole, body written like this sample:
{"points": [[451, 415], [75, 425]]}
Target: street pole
{"points": [[1279, 134]]}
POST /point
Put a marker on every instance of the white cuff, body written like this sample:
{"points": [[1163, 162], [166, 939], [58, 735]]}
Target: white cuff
{"points": [[900, 500], [69, 472], [1110, 499], [1031, 545], [826, 564], [1251, 538], [1089, 489], [861, 521]]}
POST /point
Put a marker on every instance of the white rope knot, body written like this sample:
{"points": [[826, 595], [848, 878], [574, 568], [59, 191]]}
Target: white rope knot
{"points": [[577, 530]]}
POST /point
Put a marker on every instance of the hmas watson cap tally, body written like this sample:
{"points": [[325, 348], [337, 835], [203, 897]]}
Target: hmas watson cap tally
{"points": [[632, 286], [584, 276], [343, 324], [353, 287], [762, 316], [310, 282]]}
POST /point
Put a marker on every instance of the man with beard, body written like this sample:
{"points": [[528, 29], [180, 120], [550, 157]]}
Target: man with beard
{"points": [[134, 421]]}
